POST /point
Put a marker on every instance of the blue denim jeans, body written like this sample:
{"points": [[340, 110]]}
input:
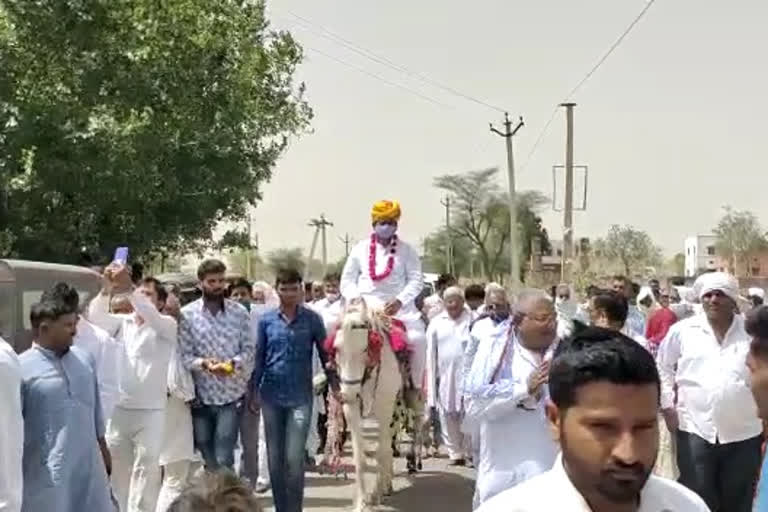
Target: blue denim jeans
{"points": [[286, 429], [215, 429]]}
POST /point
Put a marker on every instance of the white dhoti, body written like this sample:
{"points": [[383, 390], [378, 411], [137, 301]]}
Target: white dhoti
{"points": [[417, 343]]}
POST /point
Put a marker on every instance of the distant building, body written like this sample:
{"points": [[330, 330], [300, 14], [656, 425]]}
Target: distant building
{"points": [[700, 255]]}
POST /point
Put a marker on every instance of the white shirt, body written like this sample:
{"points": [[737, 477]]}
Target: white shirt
{"points": [[515, 440], [714, 400], [147, 350], [404, 283], [446, 340], [11, 430], [329, 311], [553, 491], [108, 355], [433, 306]]}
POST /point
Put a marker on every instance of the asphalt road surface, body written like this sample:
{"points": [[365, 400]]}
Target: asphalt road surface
{"points": [[437, 487]]}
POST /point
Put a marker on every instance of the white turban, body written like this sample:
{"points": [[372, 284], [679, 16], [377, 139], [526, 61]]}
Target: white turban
{"points": [[720, 281], [756, 292]]}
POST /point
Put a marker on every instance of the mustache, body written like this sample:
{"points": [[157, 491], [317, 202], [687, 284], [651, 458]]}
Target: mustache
{"points": [[620, 467]]}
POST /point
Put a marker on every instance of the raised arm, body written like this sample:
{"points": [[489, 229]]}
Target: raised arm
{"points": [[98, 314], [414, 275], [350, 275], [164, 325]]}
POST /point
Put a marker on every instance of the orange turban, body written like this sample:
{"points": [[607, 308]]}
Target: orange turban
{"points": [[385, 210]]}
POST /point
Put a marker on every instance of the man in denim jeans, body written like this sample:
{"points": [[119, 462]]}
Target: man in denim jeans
{"points": [[217, 345], [282, 382]]}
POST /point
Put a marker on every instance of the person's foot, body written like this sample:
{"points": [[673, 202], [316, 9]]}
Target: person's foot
{"points": [[261, 488], [457, 462]]}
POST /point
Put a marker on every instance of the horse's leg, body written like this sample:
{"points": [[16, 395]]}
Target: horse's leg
{"points": [[385, 404], [352, 413]]}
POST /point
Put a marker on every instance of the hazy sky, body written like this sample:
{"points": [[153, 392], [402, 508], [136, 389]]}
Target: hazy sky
{"points": [[672, 126]]}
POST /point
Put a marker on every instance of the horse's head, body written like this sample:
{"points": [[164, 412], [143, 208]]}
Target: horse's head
{"points": [[351, 346]]}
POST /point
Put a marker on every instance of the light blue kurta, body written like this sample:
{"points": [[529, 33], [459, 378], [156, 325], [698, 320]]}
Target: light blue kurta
{"points": [[63, 467]]}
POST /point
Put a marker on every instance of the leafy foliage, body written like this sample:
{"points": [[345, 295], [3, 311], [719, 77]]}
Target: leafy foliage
{"points": [[286, 258], [480, 213], [739, 237], [138, 123], [632, 248]]}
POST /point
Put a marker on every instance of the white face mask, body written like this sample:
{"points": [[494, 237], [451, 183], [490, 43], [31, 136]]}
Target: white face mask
{"points": [[332, 297]]}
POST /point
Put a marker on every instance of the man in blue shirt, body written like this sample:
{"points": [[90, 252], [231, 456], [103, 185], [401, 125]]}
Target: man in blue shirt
{"points": [[756, 325], [282, 382]]}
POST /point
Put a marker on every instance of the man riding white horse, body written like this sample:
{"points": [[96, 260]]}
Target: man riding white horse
{"points": [[386, 273]]}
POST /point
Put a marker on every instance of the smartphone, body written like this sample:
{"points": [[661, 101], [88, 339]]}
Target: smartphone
{"points": [[121, 256]]}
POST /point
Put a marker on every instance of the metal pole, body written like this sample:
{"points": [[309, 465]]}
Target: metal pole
{"points": [[567, 261], [449, 238], [323, 224]]}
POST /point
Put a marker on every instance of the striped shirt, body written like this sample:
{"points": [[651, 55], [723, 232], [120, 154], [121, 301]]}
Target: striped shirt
{"points": [[224, 336]]}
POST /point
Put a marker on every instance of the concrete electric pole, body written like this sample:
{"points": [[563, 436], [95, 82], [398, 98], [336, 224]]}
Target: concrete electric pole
{"points": [[514, 248], [346, 241], [320, 226], [567, 261]]}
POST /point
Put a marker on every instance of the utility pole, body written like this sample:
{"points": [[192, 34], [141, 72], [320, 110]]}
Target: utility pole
{"points": [[449, 236], [514, 249], [320, 226], [567, 261], [346, 241], [248, 249]]}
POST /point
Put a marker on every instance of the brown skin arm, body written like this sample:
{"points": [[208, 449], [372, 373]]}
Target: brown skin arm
{"points": [[105, 455]]}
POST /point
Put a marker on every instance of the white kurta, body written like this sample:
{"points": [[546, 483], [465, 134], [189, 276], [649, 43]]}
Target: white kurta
{"points": [[446, 341], [404, 283], [108, 355], [515, 443], [11, 430]]}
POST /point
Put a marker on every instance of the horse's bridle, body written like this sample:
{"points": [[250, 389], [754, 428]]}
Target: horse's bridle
{"points": [[354, 382]]}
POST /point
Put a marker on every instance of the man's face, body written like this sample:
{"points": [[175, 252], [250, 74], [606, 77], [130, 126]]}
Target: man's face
{"points": [[149, 291], [498, 305], [290, 293], [717, 306], [664, 298], [609, 438], [58, 334], [758, 369], [213, 286], [331, 288], [258, 296], [318, 291], [622, 287], [241, 294], [454, 306], [172, 305], [538, 328], [563, 293]]}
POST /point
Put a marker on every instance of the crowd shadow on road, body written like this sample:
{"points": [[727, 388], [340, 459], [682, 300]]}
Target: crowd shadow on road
{"points": [[446, 492]]}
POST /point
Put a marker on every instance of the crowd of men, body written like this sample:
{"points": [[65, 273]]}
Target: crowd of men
{"points": [[638, 398]]}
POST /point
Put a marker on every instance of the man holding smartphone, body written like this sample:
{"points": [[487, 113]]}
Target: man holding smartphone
{"points": [[135, 431]]}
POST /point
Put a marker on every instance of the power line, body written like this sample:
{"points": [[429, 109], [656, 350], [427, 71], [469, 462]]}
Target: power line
{"points": [[384, 61], [589, 74], [377, 77]]}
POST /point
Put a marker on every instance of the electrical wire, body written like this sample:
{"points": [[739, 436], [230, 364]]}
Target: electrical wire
{"points": [[584, 80], [384, 61], [377, 77]]}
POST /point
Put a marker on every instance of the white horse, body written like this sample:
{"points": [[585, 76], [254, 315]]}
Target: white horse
{"points": [[375, 388]]}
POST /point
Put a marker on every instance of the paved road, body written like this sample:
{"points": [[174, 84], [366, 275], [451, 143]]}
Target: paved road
{"points": [[438, 487]]}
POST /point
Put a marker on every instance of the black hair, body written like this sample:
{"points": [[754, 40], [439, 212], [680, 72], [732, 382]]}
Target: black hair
{"points": [[635, 288], [210, 266], [64, 293], [240, 282], [474, 291], [444, 279], [592, 290], [756, 324], [619, 277], [332, 277], [288, 276], [51, 309], [162, 293], [308, 287], [756, 300], [613, 304], [598, 355]]}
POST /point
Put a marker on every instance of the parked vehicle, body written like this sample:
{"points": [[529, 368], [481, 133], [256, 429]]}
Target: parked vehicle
{"points": [[186, 283], [21, 285]]}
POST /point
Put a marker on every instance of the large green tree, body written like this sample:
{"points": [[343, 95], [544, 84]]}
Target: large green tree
{"points": [[138, 122], [480, 216], [739, 237]]}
